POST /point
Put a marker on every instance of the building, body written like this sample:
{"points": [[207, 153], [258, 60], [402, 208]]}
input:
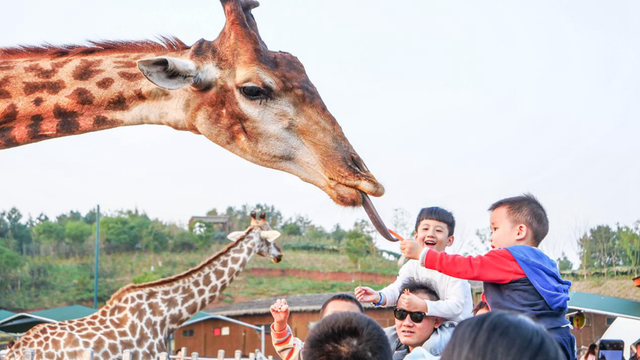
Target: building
{"points": [[206, 334]]}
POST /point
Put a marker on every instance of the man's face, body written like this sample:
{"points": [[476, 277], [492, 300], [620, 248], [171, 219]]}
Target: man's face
{"points": [[503, 232], [433, 234], [337, 306], [415, 334]]}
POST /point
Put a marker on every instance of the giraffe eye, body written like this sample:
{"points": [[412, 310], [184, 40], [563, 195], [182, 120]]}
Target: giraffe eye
{"points": [[254, 92]]}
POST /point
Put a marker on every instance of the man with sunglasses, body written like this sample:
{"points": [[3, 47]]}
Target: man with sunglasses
{"points": [[417, 329]]}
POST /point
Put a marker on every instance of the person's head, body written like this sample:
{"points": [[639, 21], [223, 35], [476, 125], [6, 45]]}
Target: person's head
{"points": [[340, 303], [434, 228], [592, 349], [480, 308], [414, 328], [348, 336], [500, 335], [518, 220], [10, 344]]}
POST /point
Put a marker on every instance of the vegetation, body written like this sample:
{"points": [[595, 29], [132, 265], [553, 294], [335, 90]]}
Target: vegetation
{"points": [[50, 262]]}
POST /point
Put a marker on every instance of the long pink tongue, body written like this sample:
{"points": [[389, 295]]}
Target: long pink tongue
{"points": [[375, 218]]}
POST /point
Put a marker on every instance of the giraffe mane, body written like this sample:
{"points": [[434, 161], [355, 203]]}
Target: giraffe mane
{"points": [[163, 44], [118, 295]]}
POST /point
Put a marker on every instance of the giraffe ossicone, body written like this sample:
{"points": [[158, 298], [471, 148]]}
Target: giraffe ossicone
{"points": [[140, 317], [258, 104]]}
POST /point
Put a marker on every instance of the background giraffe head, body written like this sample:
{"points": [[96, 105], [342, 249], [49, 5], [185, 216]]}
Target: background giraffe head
{"points": [[266, 245], [260, 105]]}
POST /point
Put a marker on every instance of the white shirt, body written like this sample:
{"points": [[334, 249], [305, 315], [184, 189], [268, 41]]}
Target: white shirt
{"points": [[455, 302]]}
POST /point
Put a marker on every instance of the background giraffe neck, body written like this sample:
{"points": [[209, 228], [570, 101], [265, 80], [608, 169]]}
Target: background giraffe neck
{"points": [[43, 98], [172, 301]]}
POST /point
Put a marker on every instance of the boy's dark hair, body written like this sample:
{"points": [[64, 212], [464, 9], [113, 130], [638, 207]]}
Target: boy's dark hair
{"points": [[348, 336], [437, 214], [420, 286], [526, 340], [341, 297], [526, 209], [479, 306]]}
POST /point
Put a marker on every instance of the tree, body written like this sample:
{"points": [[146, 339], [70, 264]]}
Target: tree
{"points": [[564, 263], [358, 244], [120, 231], [10, 262], [154, 237], [16, 229], [337, 234], [291, 229], [630, 243], [76, 232], [48, 232]]}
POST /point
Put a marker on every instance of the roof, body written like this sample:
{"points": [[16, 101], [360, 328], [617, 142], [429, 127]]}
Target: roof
{"points": [[298, 303], [22, 322], [5, 314], [606, 305]]}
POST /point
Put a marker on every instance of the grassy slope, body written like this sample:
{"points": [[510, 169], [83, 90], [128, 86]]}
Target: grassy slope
{"points": [[70, 281]]}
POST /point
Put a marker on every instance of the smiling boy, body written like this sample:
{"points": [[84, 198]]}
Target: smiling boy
{"points": [[434, 230], [516, 275]]}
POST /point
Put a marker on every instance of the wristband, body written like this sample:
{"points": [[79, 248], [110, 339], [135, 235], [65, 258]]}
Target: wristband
{"points": [[381, 299]]}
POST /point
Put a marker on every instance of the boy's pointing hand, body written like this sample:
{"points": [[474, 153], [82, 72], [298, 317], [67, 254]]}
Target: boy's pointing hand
{"points": [[410, 249]]}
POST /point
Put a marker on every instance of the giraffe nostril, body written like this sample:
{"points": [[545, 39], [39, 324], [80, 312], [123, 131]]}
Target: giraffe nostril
{"points": [[359, 163]]}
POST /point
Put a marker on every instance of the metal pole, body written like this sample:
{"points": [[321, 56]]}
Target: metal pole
{"points": [[262, 341], [95, 286]]}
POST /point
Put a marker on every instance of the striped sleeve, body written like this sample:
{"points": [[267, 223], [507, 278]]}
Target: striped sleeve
{"points": [[287, 346]]}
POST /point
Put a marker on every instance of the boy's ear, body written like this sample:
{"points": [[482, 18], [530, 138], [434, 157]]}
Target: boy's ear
{"points": [[450, 240], [522, 231]]}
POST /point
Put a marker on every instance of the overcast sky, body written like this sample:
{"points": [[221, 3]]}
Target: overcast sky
{"points": [[450, 103]]}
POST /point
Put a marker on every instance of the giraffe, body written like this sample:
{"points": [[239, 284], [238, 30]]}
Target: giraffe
{"points": [[258, 104], [139, 317]]}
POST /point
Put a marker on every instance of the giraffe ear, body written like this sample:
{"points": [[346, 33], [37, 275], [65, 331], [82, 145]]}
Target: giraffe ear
{"points": [[269, 235], [167, 72], [235, 235]]}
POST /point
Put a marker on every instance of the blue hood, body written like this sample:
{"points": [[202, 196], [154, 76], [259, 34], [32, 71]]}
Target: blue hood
{"points": [[543, 274]]}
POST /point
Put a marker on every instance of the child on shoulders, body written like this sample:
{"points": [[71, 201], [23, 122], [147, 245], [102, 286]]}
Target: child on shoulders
{"points": [[434, 230]]}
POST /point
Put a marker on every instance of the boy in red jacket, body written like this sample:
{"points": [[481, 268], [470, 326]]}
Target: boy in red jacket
{"points": [[516, 275]]}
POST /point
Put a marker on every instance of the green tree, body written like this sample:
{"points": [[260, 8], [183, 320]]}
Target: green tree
{"points": [[630, 243], [291, 229], [77, 232], [337, 234], [10, 263], [564, 263], [358, 244], [154, 238], [120, 231], [48, 232]]}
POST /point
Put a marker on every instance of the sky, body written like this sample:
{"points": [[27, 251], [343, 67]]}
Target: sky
{"points": [[450, 103]]}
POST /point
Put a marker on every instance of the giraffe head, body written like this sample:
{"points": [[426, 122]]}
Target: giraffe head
{"points": [[263, 236], [260, 105]]}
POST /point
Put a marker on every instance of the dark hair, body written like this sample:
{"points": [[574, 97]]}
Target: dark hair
{"points": [[592, 349], [437, 214], [479, 306], [349, 336], [341, 297], [420, 286], [526, 209], [526, 340]]}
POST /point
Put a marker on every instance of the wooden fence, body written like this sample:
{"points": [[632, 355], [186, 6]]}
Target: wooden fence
{"points": [[127, 355]]}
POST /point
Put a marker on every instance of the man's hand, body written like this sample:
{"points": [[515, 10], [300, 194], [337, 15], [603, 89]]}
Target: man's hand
{"points": [[411, 302], [366, 294], [280, 312], [410, 249]]}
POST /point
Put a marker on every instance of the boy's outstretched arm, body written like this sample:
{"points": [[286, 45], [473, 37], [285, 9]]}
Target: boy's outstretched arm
{"points": [[286, 345], [497, 266]]}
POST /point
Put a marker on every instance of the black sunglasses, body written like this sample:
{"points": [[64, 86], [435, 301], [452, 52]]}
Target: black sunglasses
{"points": [[401, 314]]}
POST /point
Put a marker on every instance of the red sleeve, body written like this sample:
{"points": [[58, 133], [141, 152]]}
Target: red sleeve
{"points": [[497, 266]]}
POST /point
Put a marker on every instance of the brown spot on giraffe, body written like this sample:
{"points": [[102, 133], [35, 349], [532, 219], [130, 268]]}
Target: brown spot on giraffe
{"points": [[105, 83], [82, 96], [9, 114], [41, 73], [139, 95], [86, 70], [34, 126], [130, 76], [51, 87], [4, 94], [68, 123], [37, 101], [117, 103]]}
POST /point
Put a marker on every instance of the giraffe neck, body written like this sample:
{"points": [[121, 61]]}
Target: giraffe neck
{"points": [[43, 98], [172, 301]]}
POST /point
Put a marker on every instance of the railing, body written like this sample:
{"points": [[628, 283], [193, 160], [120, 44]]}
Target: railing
{"points": [[29, 354]]}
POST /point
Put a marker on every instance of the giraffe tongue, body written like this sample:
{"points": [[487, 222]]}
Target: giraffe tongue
{"points": [[375, 218]]}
